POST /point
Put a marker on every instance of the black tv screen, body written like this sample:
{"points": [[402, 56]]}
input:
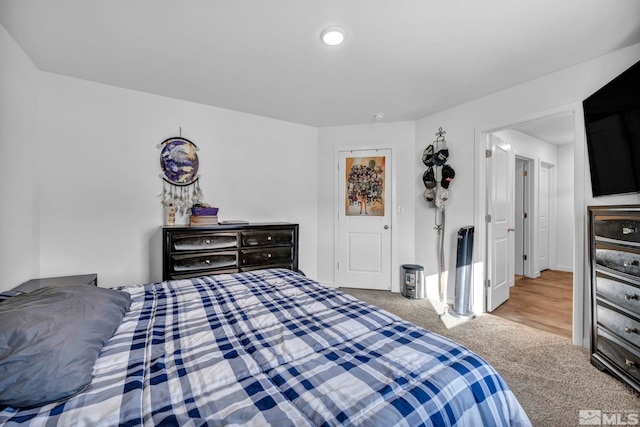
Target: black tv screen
{"points": [[612, 122]]}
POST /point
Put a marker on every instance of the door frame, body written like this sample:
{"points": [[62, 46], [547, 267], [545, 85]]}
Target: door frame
{"points": [[579, 323], [339, 204], [532, 266], [529, 208]]}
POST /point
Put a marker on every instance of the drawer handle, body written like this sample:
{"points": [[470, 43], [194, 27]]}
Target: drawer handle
{"points": [[634, 263], [629, 297], [207, 242], [629, 230], [268, 255], [207, 261], [630, 330], [630, 363], [268, 237]]}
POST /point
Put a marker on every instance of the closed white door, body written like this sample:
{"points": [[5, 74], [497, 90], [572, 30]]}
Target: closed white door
{"points": [[543, 217], [500, 222], [364, 219]]}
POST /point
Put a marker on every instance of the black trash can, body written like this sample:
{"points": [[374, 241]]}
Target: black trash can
{"points": [[413, 286]]}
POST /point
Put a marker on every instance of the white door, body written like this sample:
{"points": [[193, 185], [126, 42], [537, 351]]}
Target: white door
{"points": [[364, 219], [543, 217], [500, 224]]}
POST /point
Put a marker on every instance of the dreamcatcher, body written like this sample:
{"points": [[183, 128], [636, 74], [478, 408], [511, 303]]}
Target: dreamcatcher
{"points": [[180, 179]]}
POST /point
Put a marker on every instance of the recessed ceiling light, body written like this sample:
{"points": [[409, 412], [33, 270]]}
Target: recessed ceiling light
{"points": [[333, 36]]}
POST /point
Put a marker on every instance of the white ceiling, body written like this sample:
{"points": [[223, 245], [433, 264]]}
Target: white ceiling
{"points": [[557, 130], [404, 58]]}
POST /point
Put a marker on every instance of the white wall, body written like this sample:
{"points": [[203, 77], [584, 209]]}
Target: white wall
{"points": [[524, 145], [459, 206], [400, 137], [565, 189], [99, 169], [19, 204], [464, 125], [87, 192]]}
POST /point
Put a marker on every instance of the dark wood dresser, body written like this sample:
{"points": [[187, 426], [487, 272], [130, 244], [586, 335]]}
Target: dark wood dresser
{"points": [[615, 290], [197, 251]]}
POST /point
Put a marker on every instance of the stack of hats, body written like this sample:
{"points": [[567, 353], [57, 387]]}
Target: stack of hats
{"points": [[435, 156]]}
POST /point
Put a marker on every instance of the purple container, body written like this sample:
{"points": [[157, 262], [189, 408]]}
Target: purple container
{"points": [[196, 211]]}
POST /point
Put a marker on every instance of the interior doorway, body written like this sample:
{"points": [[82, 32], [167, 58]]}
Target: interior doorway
{"points": [[543, 206], [522, 195]]}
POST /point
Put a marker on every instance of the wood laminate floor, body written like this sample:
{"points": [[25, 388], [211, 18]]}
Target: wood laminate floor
{"points": [[544, 303]]}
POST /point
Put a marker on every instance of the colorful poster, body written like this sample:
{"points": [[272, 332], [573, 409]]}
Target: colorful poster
{"points": [[365, 186]]}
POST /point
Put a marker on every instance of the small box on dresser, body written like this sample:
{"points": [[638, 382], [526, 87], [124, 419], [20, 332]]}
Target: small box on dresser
{"points": [[614, 242], [228, 248]]}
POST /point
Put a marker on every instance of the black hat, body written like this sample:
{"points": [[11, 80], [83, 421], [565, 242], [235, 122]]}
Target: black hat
{"points": [[427, 156], [429, 178], [447, 175], [441, 156]]}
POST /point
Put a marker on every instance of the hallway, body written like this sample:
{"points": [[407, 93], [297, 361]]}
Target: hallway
{"points": [[544, 303]]}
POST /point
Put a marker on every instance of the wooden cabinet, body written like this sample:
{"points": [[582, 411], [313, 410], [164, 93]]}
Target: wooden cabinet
{"points": [[614, 237], [197, 251]]}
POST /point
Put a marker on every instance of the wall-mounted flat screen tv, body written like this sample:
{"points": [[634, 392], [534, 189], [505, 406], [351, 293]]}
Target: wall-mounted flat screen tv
{"points": [[612, 121]]}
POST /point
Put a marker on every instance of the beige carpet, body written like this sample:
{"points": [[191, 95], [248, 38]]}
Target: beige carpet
{"points": [[552, 378]]}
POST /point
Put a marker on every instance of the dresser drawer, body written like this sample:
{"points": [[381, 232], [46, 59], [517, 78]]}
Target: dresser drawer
{"points": [[622, 357], [267, 256], [624, 260], [619, 292], [623, 228], [203, 241], [203, 261], [287, 265], [619, 323], [267, 237]]}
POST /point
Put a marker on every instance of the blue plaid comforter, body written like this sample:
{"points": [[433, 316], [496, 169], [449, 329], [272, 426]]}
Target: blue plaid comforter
{"points": [[272, 347]]}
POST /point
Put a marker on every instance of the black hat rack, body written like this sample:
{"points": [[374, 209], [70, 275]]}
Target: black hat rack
{"points": [[436, 180]]}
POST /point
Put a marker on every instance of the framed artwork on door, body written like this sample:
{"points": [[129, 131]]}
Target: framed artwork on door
{"points": [[365, 186]]}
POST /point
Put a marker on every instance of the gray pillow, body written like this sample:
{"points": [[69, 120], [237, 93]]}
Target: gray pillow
{"points": [[51, 338]]}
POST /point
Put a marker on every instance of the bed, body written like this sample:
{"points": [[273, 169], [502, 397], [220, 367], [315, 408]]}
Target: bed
{"points": [[271, 347]]}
